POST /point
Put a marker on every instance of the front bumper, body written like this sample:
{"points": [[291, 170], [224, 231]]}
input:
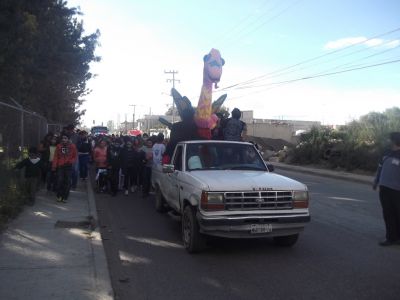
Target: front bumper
{"points": [[240, 226]]}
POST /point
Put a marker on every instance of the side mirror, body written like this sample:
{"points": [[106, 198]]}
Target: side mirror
{"points": [[168, 168], [270, 167]]}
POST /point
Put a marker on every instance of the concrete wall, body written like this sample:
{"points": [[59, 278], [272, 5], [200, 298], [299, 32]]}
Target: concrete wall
{"points": [[272, 131]]}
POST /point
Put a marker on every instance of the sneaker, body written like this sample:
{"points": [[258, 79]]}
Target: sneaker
{"points": [[133, 188], [387, 243], [63, 200], [59, 199], [126, 192]]}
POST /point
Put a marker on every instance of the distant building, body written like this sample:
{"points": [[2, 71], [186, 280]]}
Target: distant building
{"points": [[276, 129], [268, 128], [151, 125], [111, 126]]}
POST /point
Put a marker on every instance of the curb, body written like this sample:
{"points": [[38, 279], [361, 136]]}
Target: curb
{"points": [[365, 179], [100, 267]]}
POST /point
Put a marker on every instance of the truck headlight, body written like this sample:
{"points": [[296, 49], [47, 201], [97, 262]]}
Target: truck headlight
{"points": [[212, 201], [300, 199]]}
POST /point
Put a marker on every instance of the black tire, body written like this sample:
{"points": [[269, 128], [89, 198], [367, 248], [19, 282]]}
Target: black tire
{"points": [[193, 240], [287, 240], [160, 201]]}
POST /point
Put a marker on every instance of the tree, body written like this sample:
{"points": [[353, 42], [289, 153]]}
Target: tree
{"points": [[45, 57]]}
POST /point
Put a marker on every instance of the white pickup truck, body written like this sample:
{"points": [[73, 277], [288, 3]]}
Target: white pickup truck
{"points": [[225, 189]]}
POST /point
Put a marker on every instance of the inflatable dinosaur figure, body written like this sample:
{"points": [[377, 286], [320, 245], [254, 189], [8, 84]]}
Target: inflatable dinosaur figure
{"points": [[205, 117]]}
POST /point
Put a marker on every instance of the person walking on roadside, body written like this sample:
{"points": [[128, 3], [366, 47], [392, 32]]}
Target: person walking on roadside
{"points": [[44, 153], [234, 129], [51, 178], [130, 158], [114, 164], [64, 158], [158, 150], [74, 138], [84, 152], [388, 180], [33, 171], [148, 164], [100, 160]]}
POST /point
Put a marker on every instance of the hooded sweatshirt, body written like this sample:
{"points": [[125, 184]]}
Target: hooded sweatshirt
{"points": [[33, 167], [65, 155]]}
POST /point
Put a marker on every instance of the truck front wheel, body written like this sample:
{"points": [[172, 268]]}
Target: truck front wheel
{"points": [[193, 240], [287, 240]]}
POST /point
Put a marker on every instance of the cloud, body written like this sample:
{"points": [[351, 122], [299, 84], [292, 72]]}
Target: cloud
{"points": [[374, 42], [345, 42], [393, 44]]}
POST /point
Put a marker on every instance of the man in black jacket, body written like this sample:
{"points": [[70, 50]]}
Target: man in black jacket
{"points": [[114, 164]]}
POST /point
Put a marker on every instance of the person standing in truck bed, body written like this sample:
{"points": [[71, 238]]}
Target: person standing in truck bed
{"points": [[234, 129]]}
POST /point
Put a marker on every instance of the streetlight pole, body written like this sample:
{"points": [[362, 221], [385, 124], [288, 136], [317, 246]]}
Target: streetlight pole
{"points": [[134, 112]]}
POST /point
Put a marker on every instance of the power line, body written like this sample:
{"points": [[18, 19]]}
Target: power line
{"points": [[349, 64], [242, 21], [268, 20], [258, 78], [276, 84], [256, 20]]}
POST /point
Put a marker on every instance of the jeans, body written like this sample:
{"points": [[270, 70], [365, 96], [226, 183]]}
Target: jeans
{"points": [[75, 173], [51, 179], [390, 201], [146, 180], [130, 177], [114, 179], [31, 187], [64, 181], [83, 165]]}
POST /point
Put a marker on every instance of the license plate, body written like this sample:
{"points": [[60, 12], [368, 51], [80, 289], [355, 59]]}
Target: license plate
{"points": [[261, 228]]}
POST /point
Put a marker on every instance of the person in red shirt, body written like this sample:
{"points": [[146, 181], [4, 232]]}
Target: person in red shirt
{"points": [[100, 159], [65, 156]]}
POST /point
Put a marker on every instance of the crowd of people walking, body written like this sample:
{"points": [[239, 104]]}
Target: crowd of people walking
{"points": [[121, 163]]}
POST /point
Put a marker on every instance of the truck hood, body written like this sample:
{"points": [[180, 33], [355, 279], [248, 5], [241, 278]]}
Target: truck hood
{"points": [[239, 180]]}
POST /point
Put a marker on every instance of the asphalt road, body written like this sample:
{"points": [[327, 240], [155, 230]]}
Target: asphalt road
{"points": [[337, 256]]}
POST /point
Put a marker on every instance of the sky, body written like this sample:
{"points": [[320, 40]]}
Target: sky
{"points": [[319, 60]]}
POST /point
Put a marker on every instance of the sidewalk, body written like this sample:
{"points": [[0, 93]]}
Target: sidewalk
{"points": [[51, 252], [326, 173]]}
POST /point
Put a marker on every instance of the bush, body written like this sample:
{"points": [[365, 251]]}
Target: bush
{"points": [[11, 195]]}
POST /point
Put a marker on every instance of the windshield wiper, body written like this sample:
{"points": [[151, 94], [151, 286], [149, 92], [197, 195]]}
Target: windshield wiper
{"points": [[245, 168], [205, 169]]}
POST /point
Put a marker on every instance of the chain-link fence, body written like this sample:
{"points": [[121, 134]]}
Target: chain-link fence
{"points": [[20, 129]]}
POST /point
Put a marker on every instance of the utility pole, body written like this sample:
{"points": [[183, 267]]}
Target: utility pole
{"points": [[134, 111], [173, 72]]}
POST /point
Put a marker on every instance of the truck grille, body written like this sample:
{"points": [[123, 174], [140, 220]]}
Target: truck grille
{"points": [[258, 200]]}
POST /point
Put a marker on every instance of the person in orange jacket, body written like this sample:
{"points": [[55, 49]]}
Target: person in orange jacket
{"points": [[64, 157]]}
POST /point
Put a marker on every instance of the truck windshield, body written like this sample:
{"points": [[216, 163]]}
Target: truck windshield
{"points": [[223, 156]]}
